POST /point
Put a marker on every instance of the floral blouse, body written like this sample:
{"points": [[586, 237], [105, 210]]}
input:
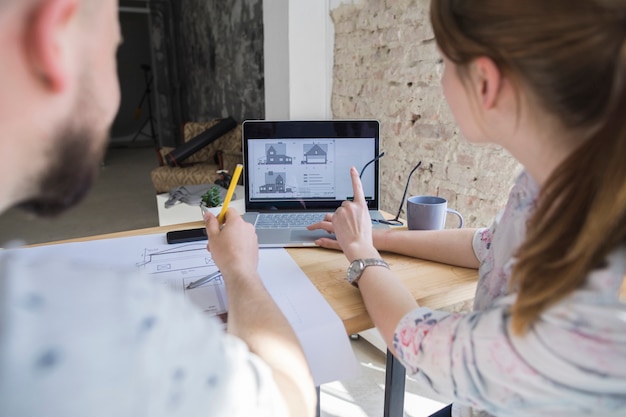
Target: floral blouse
{"points": [[572, 362]]}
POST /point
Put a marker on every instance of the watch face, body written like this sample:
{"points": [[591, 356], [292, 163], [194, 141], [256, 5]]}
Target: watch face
{"points": [[355, 270]]}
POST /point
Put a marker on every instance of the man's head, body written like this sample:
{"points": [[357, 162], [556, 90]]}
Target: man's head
{"points": [[60, 95]]}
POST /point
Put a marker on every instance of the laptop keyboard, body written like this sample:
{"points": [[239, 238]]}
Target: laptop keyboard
{"points": [[286, 220]]}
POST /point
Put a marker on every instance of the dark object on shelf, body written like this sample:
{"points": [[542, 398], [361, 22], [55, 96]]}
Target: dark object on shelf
{"points": [[187, 149], [223, 178]]}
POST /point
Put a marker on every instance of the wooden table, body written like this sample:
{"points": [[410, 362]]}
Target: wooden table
{"points": [[432, 284]]}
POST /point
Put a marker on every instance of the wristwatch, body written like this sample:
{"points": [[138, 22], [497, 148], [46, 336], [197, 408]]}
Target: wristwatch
{"points": [[356, 268]]}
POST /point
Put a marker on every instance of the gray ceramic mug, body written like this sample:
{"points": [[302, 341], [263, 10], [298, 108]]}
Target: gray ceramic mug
{"points": [[428, 213]]}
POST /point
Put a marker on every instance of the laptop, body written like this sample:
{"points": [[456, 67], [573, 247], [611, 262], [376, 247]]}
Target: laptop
{"points": [[297, 171]]}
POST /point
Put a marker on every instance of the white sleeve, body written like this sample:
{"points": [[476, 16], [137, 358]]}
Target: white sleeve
{"points": [[77, 340]]}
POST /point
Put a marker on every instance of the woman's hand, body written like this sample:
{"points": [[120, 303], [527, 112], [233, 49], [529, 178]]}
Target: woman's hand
{"points": [[352, 224], [326, 224]]}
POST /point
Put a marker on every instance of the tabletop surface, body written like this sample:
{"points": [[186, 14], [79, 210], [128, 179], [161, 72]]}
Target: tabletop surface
{"points": [[433, 284]]}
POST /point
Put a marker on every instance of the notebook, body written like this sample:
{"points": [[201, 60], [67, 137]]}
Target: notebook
{"points": [[295, 169]]}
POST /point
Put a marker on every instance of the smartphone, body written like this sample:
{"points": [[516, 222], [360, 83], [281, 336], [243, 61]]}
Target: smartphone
{"points": [[188, 235]]}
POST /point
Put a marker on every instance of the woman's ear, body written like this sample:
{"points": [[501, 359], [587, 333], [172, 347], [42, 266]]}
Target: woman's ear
{"points": [[49, 41], [488, 81]]}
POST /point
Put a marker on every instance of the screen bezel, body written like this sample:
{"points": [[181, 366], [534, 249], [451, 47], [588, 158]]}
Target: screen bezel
{"points": [[333, 129]]}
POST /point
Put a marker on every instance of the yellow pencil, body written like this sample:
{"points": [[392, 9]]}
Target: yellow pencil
{"points": [[229, 193]]}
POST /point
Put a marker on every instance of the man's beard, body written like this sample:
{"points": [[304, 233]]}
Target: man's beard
{"points": [[74, 165]]}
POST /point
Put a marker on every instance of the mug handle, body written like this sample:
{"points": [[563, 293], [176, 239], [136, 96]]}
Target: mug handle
{"points": [[458, 215]]}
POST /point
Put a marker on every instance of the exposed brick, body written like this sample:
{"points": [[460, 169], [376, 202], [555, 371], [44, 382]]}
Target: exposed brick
{"points": [[386, 68]]}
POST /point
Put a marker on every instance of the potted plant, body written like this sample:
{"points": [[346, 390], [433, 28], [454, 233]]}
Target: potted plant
{"points": [[211, 201]]}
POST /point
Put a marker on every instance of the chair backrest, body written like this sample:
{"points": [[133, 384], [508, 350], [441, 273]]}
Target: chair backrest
{"points": [[229, 142]]}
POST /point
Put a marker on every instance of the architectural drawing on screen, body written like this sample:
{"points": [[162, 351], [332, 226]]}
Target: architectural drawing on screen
{"points": [[275, 182], [315, 153], [276, 154]]}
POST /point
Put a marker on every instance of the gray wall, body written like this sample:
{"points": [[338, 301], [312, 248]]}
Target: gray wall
{"points": [[208, 58], [222, 48], [132, 54]]}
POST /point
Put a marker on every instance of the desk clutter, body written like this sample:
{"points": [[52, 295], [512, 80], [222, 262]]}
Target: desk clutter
{"points": [[192, 194]]}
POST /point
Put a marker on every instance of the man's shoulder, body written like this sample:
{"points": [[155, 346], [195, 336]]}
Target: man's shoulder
{"points": [[75, 329], [61, 282]]}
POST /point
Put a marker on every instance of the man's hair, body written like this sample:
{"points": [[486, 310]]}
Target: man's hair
{"points": [[571, 55]]}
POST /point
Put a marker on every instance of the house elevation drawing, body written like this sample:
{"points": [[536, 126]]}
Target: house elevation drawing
{"points": [[292, 169], [275, 182], [276, 154], [315, 154]]}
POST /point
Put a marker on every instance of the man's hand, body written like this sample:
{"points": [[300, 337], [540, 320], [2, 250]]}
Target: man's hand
{"points": [[253, 316], [233, 246]]}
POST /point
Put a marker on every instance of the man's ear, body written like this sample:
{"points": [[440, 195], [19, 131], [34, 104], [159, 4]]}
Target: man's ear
{"points": [[488, 81], [49, 40]]}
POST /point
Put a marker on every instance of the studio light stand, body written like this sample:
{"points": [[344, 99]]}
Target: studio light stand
{"points": [[147, 72]]}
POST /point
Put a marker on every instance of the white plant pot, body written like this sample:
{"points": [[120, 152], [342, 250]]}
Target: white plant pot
{"points": [[214, 210]]}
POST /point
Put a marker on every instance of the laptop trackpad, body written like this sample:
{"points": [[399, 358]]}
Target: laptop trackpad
{"points": [[303, 235]]}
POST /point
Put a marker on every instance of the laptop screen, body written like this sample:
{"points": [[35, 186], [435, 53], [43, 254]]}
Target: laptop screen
{"points": [[302, 165]]}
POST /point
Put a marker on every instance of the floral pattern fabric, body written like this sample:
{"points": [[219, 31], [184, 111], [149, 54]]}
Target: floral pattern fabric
{"points": [[572, 362]]}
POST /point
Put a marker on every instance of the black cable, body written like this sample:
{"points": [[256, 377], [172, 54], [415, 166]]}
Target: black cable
{"points": [[373, 160], [395, 221]]}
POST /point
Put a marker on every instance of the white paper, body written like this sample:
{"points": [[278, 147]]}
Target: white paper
{"points": [[317, 326], [321, 332]]}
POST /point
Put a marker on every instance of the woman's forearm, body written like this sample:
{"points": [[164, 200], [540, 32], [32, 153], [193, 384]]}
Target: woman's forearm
{"points": [[450, 246]]}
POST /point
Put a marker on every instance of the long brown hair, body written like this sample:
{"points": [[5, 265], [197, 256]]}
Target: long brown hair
{"points": [[571, 54]]}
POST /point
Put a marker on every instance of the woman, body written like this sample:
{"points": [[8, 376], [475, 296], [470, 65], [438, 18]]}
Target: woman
{"points": [[547, 81]]}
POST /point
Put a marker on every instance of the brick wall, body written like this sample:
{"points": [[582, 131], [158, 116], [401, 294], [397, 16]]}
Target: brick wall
{"points": [[386, 68]]}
